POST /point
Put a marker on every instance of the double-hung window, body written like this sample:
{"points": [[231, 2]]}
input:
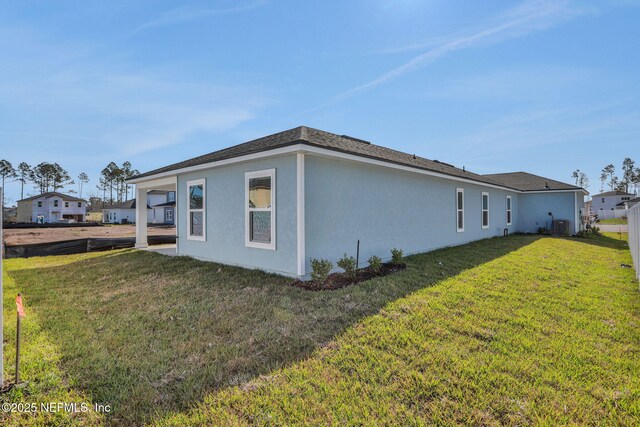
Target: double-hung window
{"points": [[196, 210], [66, 204], [485, 210], [260, 211], [460, 209], [509, 210]]}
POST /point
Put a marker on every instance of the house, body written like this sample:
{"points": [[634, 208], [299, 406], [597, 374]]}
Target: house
{"points": [[160, 209], [52, 207], [9, 214], [123, 213], [630, 203], [276, 202], [610, 200]]}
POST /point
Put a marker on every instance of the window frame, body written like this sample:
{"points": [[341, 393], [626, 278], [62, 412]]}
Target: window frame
{"points": [[459, 210], [56, 203], [190, 184], [509, 207], [271, 173], [66, 204], [39, 203], [482, 210], [79, 204]]}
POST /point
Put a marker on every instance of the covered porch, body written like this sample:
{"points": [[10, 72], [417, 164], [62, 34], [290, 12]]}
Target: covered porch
{"points": [[142, 188]]}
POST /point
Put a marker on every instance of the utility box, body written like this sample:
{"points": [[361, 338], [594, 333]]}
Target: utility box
{"points": [[561, 227]]}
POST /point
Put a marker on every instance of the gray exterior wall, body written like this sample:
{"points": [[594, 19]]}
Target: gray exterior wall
{"points": [[534, 209], [386, 208], [225, 217], [347, 201]]}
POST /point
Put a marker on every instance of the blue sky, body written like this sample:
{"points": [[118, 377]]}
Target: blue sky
{"points": [[541, 86]]}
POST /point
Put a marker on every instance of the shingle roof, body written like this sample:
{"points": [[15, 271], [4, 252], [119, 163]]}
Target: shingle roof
{"points": [[613, 193], [524, 181], [341, 143], [64, 197]]}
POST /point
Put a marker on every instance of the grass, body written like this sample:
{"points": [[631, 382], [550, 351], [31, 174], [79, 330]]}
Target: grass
{"points": [[519, 330], [613, 221]]}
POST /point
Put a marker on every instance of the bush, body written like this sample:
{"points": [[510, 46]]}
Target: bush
{"points": [[544, 231], [588, 233], [396, 256], [320, 269], [375, 263], [348, 264]]}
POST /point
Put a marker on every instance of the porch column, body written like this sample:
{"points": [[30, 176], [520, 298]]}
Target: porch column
{"points": [[141, 217]]}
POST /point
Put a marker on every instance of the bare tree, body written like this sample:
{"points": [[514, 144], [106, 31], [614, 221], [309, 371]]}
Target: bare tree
{"points": [[83, 178], [6, 171]]}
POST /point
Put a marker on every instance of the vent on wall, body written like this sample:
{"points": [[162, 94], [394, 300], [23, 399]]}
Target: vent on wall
{"points": [[362, 141]]}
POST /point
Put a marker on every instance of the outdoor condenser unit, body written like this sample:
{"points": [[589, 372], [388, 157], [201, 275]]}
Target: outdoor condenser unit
{"points": [[561, 227]]}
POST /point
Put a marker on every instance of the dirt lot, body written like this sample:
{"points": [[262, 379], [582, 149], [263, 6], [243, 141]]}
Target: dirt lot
{"points": [[22, 236]]}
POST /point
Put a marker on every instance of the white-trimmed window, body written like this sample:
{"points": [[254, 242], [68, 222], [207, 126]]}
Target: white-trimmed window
{"points": [[509, 214], [66, 204], [260, 218], [460, 209], [485, 209], [196, 210]]}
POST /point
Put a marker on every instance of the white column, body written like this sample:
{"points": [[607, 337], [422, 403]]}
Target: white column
{"points": [[300, 213], [141, 217]]}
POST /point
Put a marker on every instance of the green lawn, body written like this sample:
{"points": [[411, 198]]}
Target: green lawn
{"points": [[518, 331], [613, 221]]}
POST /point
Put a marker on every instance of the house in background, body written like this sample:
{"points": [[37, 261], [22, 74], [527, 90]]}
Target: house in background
{"points": [[276, 202], [123, 213], [610, 200], [631, 203], [10, 214], [160, 209], [52, 207]]}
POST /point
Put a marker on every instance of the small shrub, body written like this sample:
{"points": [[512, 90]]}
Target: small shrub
{"points": [[348, 264], [320, 269], [544, 231], [595, 231], [396, 256], [375, 263]]}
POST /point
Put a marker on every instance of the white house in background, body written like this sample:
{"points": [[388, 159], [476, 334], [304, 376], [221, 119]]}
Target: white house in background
{"points": [[160, 209], [52, 207], [631, 203], [124, 213], [610, 200]]}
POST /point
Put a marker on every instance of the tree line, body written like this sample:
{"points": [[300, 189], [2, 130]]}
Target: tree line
{"points": [[628, 182], [46, 177]]}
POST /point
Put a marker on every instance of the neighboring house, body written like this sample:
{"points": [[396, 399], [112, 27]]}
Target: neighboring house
{"points": [[52, 207], [630, 203], [610, 200], [276, 202], [123, 213], [163, 204], [160, 209], [10, 214], [94, 216]]}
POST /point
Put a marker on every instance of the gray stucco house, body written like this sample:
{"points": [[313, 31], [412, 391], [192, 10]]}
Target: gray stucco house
{"points": [[276, 202]]}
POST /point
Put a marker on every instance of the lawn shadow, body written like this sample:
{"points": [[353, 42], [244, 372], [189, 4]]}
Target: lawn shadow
{"points": [[149, 334], [610, 240]]}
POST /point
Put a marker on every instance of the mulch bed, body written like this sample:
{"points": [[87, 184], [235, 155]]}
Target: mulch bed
{"points": [[340, 280]]}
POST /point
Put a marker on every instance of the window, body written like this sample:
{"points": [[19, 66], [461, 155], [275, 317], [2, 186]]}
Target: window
{"points": [[55, 203], [603, 200], [168, 215], [171, 196], [39, 204], [508, 210], [196, 212], [485, 210], [66, 204], [260, 220], [460, 209], [79, 204]]}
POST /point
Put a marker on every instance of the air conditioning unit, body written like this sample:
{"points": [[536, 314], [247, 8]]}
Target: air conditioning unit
{"points": [[561, 227]]}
